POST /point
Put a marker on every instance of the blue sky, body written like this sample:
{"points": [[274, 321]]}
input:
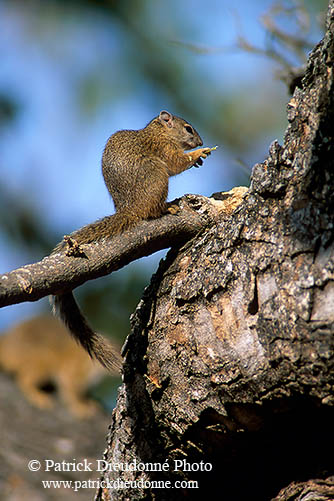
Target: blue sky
{"points": [[51, 155]]}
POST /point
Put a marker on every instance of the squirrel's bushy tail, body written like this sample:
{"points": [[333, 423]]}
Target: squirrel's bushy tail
{"points": [[65, 306]]}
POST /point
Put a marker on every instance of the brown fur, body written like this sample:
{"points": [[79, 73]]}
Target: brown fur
{"points": [[136, 166], [40, 351]]}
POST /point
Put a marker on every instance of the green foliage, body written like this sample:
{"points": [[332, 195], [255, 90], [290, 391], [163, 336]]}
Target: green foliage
{"points": [[9, 109], [23, 225], [110, 301]]}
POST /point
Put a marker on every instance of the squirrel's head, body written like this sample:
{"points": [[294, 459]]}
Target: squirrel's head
{"points": [[180, 130]]}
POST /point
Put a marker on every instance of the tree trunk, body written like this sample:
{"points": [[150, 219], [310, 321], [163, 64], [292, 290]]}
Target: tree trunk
{"points": [[229, 372]]}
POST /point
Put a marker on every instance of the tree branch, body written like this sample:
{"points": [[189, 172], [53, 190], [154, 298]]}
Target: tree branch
{"points": [[60, 272], [230, 359]]}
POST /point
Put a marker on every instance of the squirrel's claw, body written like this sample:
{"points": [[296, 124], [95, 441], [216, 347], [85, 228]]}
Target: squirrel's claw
{"points": [[198, 163]]}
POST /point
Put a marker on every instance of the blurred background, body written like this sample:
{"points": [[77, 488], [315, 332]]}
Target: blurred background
{"points": [[74, 72]]}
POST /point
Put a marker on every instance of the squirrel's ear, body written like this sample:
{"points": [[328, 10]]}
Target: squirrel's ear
{"points": [[166, 117]]}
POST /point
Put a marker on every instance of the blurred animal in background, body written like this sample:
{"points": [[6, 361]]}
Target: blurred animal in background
{"points": [[45, 360]]}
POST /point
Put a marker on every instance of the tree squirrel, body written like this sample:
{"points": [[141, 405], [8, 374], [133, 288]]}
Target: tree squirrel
{"points": [[136, 165], [39, 352]]}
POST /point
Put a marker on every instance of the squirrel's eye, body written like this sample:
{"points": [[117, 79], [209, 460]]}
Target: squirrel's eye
{"points": [[189, 129]]}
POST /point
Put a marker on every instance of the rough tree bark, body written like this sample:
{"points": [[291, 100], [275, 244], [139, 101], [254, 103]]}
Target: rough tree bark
{"points": [[230, 361]]}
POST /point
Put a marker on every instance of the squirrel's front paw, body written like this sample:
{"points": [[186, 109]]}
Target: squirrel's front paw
{"points": [[202, 154]]}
